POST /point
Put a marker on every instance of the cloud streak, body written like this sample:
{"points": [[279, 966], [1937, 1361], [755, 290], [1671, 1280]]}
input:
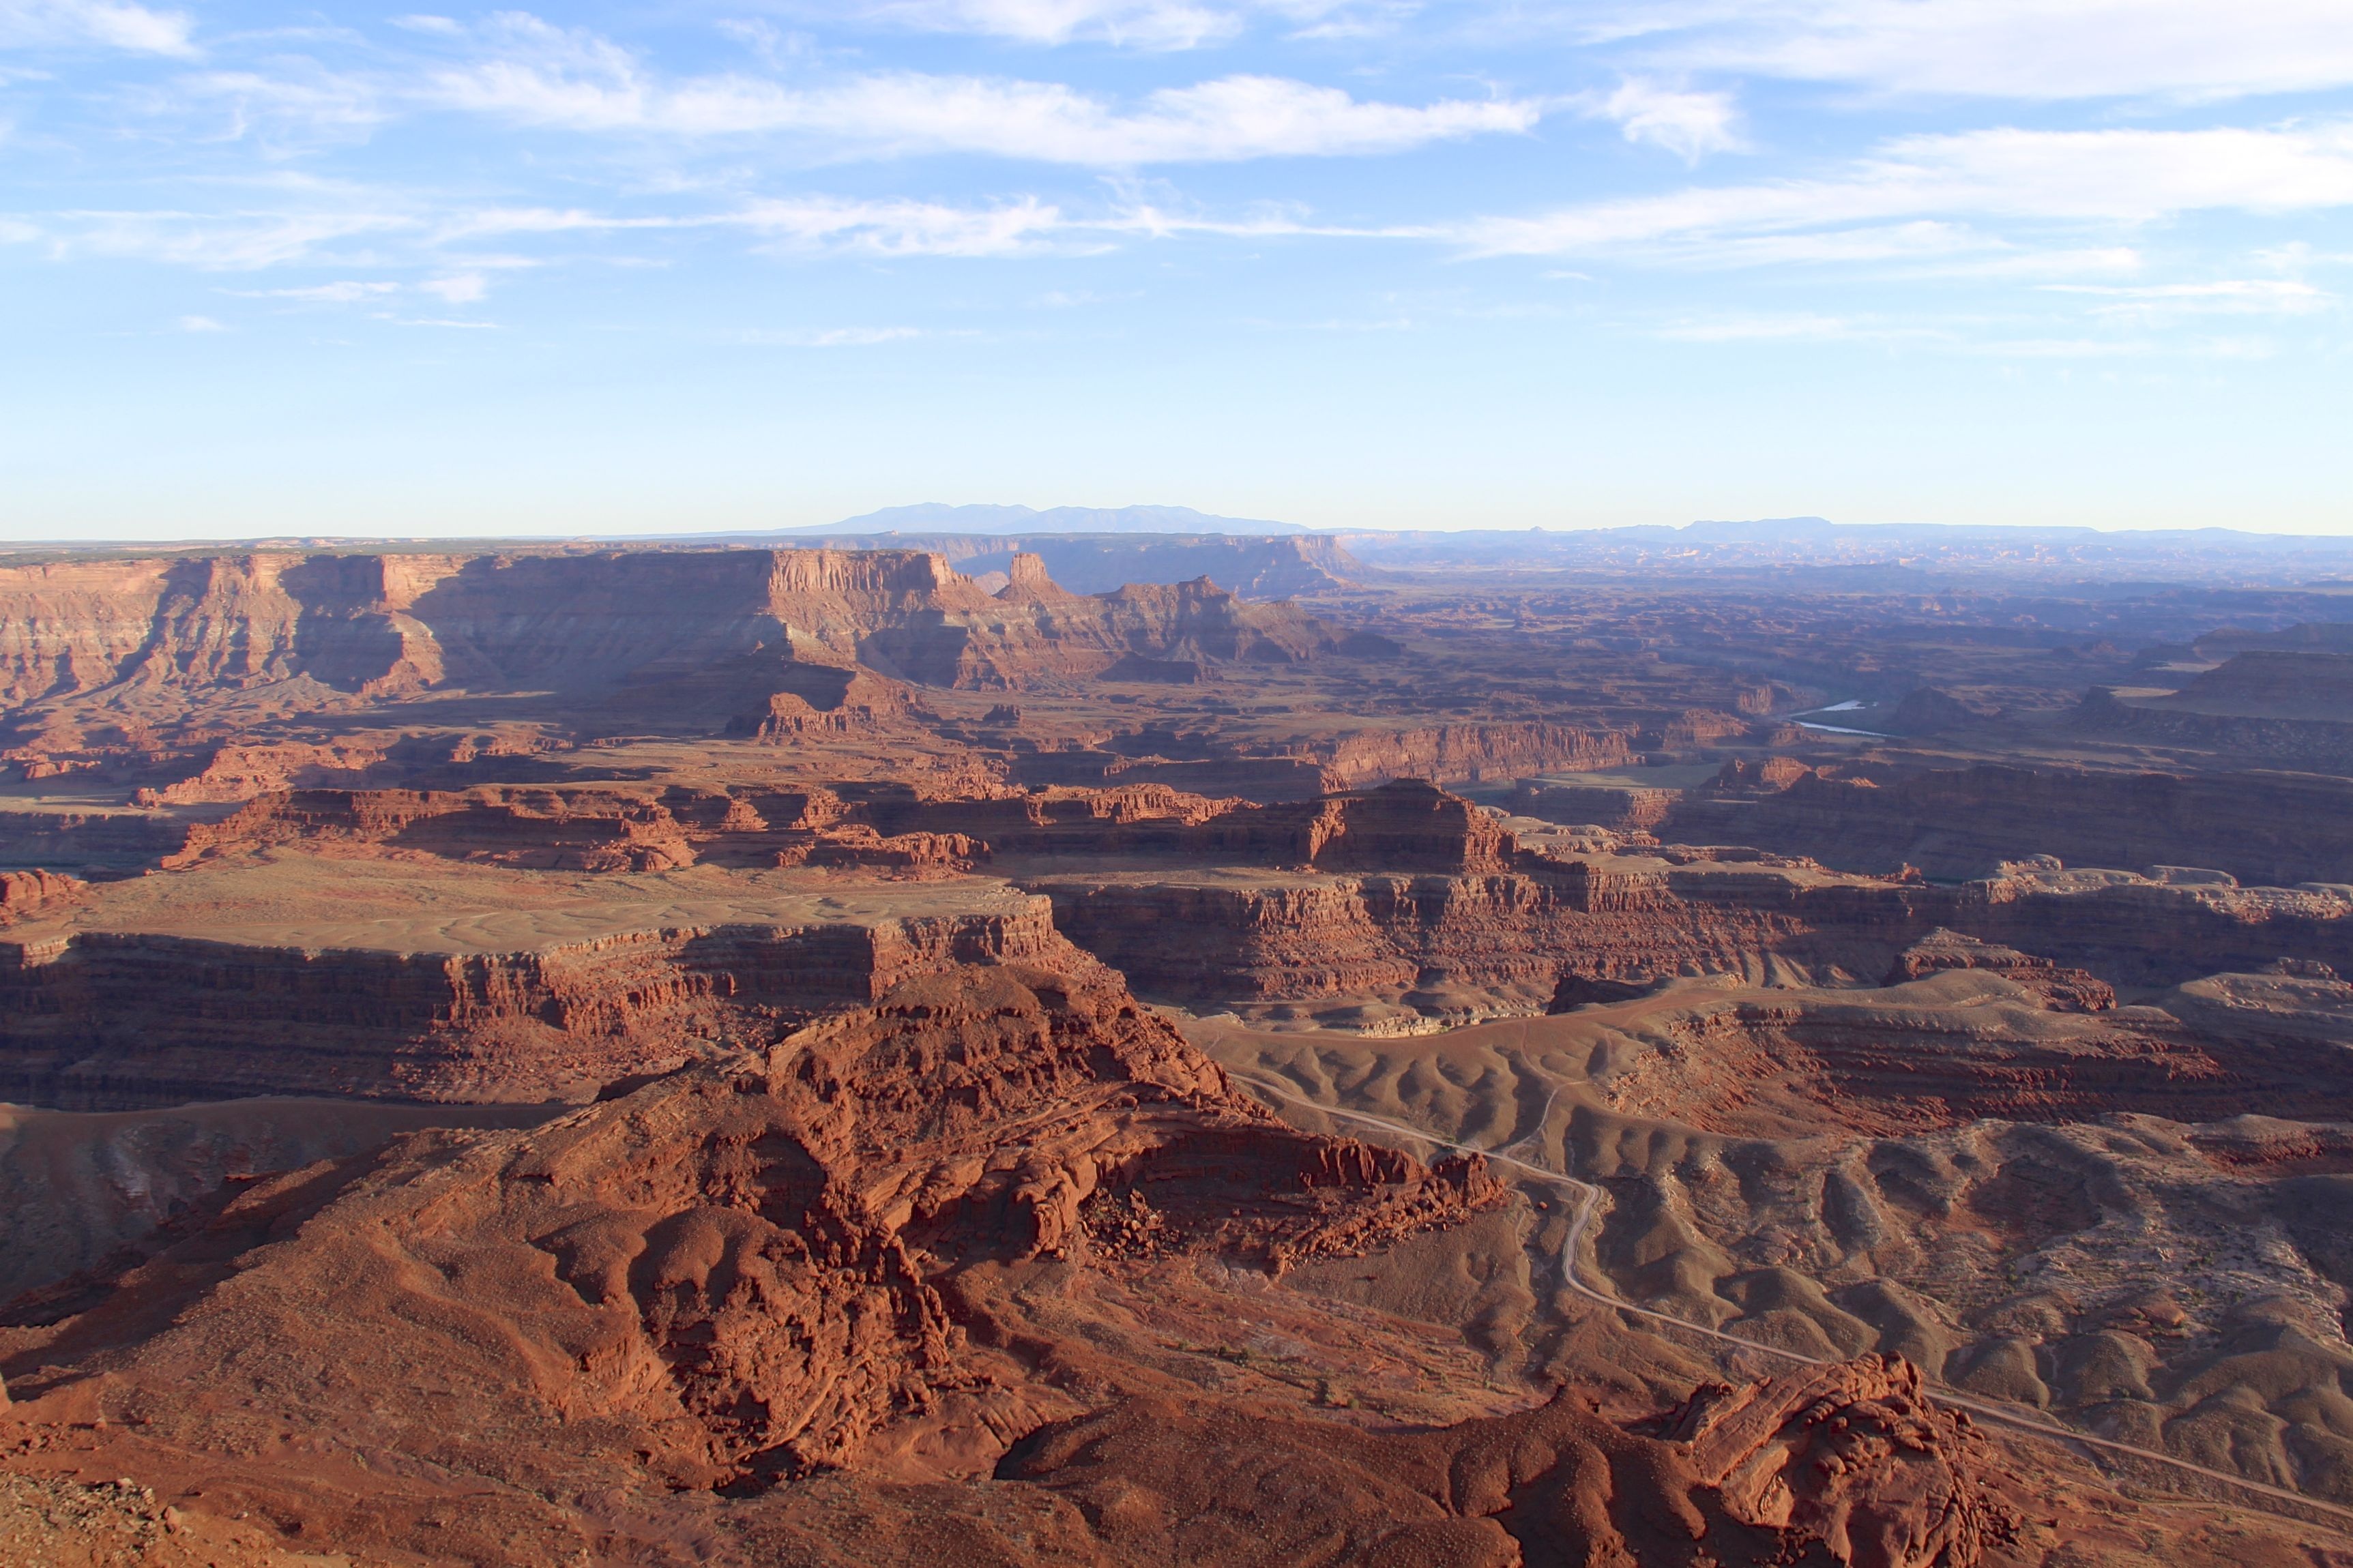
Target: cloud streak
{"points": [[577, 81], [2020, 49], [106, 24], [2105, 177]]}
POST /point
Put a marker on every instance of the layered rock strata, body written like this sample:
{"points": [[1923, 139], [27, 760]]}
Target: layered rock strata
{"points": [[90, 843], [1359, 756], [352, 627], [2282, 828], [2295, 714], [1622, 808], [453, 1008], [1246, 934], [2061, 989]]}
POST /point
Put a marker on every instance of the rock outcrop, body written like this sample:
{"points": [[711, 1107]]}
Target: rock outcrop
{"points": [[1855, 1458], [1409, 825], [102, 1019], [732, 1277], [1620, 808], [2062, 990], [2278, 829], [2286, 709], [704, 640], [24, 894], [1851, 1467]]}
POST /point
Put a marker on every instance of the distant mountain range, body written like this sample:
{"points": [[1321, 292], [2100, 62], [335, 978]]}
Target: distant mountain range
{"points": [[938, 517]]}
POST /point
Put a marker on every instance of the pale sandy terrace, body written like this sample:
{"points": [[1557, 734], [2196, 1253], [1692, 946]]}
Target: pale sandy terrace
{"points": [[280, 898]]}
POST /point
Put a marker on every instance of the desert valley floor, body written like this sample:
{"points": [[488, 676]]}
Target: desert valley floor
{"points": [[1157, 1051]]}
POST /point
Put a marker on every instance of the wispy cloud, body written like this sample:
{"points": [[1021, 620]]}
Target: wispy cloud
{"points": [[905, 228], [1137, 24], [110, 23], [2046, 50], [553, 77], [458, 289], [1687, 123], [836, 337], [345, 292], [2227, 297], [1974, 338], [227, 242], [1149, 25], [2069, 177], [294, 102]]}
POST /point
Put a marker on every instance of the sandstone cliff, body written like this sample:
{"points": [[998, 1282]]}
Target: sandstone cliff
{"points": [[2281, 829], [1458, 908], [97, 1018], [2284, 713], [336, 630], [1271, 568]]}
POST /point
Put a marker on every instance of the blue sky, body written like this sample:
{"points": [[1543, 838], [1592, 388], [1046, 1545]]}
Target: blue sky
{"points": [[709, 264]]}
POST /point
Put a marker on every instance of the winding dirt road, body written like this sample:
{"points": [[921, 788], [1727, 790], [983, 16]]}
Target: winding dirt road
{"points": [[1588, 1198]]}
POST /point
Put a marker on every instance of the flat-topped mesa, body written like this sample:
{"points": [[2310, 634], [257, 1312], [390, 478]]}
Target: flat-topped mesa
{"points": [[1263, 918], [1407, 826], [2273, 683], [700, 641], [1203, 761], [2279, 828], [580, 829], [369, 625], [71, 626], [1034, 634], [490, 987], [2288, 709]]}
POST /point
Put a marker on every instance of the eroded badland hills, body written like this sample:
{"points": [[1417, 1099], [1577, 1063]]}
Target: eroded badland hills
{"points": [[1728, 1047]]}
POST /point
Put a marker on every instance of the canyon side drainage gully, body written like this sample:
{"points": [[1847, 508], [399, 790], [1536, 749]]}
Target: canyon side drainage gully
{"points": [[1589, 1197]]}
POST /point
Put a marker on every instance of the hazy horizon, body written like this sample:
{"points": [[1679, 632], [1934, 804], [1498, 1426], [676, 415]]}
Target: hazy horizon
{"points": [[1240, 527]]}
